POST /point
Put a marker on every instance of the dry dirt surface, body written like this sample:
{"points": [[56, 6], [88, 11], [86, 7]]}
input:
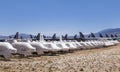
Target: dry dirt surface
{"points": [[95, 60]]}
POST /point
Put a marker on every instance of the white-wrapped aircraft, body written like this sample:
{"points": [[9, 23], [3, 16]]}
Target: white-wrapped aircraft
{"points": [[6, 49], [24, 48]]}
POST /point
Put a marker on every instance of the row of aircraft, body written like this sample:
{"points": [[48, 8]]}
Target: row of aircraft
{"points": [[41, 44], [81, 37]]}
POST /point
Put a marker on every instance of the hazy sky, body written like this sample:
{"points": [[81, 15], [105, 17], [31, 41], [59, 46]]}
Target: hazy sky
{"points": [[58, 16]]}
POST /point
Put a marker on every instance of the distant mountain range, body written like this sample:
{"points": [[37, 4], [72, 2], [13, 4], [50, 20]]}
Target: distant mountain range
{"points": [[103, 32], [110, 31]]}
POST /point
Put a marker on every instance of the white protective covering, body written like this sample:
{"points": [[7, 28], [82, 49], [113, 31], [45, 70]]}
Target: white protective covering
{"points": [[108, 43], [62, 45], [24, 48], [91, 45], [79, 45], [52, 46], [40, 48], [71, 45], [6, 49], [115, 42], [86, 46]]}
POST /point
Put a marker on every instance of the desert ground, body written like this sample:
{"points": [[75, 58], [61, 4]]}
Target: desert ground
{"points": [[94, 60]]}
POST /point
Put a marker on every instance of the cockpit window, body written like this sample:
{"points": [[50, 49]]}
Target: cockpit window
{"points": [[48, 45], [67, 45], [59, 45]]}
